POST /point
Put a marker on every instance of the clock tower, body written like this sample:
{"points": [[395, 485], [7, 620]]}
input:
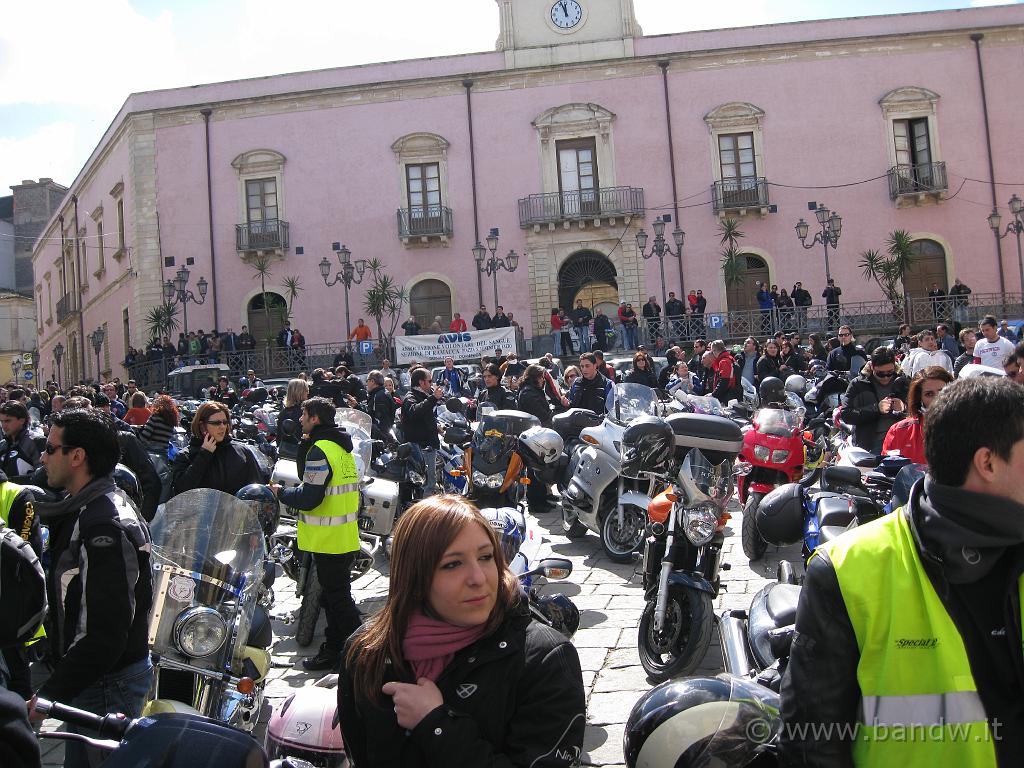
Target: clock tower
{"points": [[543, 32]]}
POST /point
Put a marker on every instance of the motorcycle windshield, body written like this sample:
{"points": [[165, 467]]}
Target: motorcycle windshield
{"points": [[359, 425], [633, 400], [777, 422], [208, 553], [703, 482], [743, 727], [702, 404], [494, 439]]}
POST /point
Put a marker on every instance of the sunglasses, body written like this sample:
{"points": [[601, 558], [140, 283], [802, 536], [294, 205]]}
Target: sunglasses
{"points": [[845, 335], [218, 423], [52, 449], [885, 374]]}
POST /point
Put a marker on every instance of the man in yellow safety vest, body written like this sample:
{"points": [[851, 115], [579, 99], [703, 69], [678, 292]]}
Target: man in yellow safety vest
{"points": [[908, 645], [327, 501]]}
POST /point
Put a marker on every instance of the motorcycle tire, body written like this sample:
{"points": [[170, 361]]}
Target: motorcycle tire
{"points": [[754, 545], [680, 648], [620, 544], [574, 529], [309, 610]]}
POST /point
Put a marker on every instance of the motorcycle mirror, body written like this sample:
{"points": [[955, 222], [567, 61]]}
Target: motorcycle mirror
{"points": [[556, 567], [289, 428], [742, 468], [455, 405]]}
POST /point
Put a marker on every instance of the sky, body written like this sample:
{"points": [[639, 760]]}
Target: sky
{"points": [[67, 67]]}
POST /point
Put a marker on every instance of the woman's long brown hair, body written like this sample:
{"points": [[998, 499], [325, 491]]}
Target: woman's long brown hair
{"points": [[423, 534]]}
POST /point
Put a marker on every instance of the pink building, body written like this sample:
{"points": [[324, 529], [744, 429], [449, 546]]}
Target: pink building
{"points": [[575, 134]]}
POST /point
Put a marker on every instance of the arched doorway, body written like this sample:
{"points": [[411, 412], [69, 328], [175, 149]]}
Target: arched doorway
{"points": [[430, 298], [590, 277], [742, 295], [266, 323], [929, 266]]}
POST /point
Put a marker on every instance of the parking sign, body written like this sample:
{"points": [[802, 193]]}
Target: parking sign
{"points": [[366, 347], [716, 321]]}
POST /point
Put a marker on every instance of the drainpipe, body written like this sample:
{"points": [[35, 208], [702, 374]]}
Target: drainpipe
{"points": [[672, 168], [63, 272], [468, 85], [977, 38], [78, 290], [209, 211]]}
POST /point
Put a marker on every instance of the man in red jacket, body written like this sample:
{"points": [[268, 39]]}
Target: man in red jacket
{"points": [[458, 325]]}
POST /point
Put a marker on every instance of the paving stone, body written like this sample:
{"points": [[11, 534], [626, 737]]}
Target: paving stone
{"points": [[592, 659], [632, 678], [602, 745], [597, 637], [612, 707]]}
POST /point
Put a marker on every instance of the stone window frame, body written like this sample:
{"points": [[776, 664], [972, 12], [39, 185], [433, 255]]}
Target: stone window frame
{"points": [[117, 194], [909, 102], [418, 148], [39, 303], [97, 217], [575, 120], [731, 118], [256, 164]]}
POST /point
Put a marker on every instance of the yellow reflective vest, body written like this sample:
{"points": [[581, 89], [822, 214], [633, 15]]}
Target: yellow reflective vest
{"points": [[333, 528], [8, 493], [919, 702]]}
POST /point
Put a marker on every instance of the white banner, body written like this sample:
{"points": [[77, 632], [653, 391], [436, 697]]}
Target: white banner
{"points": [[467, 345]]}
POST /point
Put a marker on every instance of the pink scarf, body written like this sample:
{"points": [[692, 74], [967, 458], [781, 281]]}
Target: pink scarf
{"points": [[431, 644]]}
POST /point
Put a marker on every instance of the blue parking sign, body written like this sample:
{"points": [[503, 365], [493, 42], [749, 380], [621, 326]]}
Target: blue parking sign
{"points": [[716, 321], [27, 375], [366, 347]]}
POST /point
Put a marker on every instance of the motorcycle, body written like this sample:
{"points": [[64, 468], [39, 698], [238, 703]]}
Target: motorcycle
{"points": [[682, 554], [209, 634], [493, 467], [569, 425], [600, 497]]}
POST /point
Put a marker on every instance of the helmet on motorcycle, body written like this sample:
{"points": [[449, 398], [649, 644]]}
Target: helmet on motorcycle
{"points": [[561, 613], [539, 446], [701, 721], [772, 390], [796, 384], [306, 726], [126, 480], [503, 521], [780, 515], [263, 500], [647, 446], [21, 609]]}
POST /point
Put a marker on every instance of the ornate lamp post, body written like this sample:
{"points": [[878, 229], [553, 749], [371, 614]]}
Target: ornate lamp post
{"points": [[16, 367], [491, 265], [96, 339], [352, 273], [831, 228], [35, 367], [176, 292], [58, 353], [661, 248], [1016, 226]]}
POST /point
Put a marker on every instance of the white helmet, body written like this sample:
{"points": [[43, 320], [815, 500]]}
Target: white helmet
{"points": [[540, 446], [796, 384]]}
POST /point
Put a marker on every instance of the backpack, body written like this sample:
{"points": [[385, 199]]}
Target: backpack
{"points": [[22, 590]]}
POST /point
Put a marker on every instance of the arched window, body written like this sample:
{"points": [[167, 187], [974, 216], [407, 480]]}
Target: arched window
{"points": [[427, 300], [928, 266], [742, 295], [265, 321]]}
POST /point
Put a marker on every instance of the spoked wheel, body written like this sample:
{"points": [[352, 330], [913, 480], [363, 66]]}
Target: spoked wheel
{"points": [[753, 545], [684, 639], [621, 541]]}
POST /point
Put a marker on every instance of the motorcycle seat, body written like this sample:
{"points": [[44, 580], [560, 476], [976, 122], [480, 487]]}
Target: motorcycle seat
{"points": [[830, 533], [834, 510], [782, 602], [836, 476], [570, 423]]}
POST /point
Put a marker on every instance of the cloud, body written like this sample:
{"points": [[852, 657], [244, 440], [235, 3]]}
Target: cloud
{"points": [[986, 3], [50, 151]]}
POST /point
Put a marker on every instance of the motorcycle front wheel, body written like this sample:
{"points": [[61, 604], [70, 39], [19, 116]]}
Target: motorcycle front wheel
{"points": [[681, 645], [309, 610], [620, 542], [754, 545], [571, 525]]}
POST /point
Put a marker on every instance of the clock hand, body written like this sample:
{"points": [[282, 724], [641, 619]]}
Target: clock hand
{"points": [[564, 11]]}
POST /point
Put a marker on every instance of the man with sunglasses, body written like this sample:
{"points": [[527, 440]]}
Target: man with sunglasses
{"points": [[875, 400], [849, 356]]}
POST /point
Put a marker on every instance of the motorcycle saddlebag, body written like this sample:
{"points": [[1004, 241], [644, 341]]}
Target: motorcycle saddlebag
{"points": [[780, 515]]}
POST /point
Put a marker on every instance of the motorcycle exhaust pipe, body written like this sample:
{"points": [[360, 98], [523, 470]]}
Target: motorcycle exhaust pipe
{"points": [[732, 631]]}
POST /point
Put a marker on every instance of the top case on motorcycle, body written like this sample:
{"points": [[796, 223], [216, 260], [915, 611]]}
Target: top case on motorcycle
{"points": [[718, 438], [572, 422], [773, 607]]}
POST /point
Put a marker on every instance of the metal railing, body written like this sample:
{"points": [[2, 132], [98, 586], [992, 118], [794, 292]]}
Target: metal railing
{"points": [[266, 235], [732, 194], [67, 307], [556, 207], [916, 179], [425, 221]]}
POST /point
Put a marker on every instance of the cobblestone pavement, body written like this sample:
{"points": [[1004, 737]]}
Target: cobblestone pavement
{"points": [[610, 600]]}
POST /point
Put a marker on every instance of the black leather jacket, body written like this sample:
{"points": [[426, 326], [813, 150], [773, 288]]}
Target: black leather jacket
{"points": [[229, 468], [860, 408], [418, 423]]}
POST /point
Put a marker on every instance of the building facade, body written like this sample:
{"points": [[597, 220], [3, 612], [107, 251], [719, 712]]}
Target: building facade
{"points": [[576, 133]]}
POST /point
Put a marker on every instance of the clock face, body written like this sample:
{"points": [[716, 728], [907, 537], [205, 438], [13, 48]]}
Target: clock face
{"points": [[566, 14]]}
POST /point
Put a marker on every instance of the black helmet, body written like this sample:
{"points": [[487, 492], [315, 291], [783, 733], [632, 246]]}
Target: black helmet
{"points": [[780, 516], [126, 480], [701, 722], [772, 390], [561, 613], [263, 500], [647, 446], [22, 609]]}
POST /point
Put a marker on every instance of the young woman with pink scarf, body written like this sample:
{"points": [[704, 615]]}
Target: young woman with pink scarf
{"points": [[453, 671]]}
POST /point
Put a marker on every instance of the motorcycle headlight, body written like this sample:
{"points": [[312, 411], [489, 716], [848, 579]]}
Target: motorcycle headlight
{"points": [[780, 456], [488, 481], [699, 524], [199, 632], [762, 453]]}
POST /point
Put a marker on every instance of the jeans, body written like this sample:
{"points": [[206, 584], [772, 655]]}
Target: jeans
{"points": [[123, 691], [343, 618], [583, 331], [430, 465], [555, 343], [630, 331]]}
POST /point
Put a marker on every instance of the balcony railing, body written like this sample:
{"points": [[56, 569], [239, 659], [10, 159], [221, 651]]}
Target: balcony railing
{"points": [[67, 306], [267, 235], [425, 221], [928, 178], [556, 207], [734, 194]]}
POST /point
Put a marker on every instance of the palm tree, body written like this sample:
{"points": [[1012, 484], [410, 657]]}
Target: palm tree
{"points": [[261, 267], [384, 301], [292, 285], [733, 263], [162, 320], [889, 270]]}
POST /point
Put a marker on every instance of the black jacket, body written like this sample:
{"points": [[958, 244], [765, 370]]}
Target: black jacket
{"points": [[535, 401], [19, 455], [418, 423], [136, 458], [820, 681], [860, 408], [801, 296], [841, 358], [768, 366], [482, 321], [645, 377], [591, 394], [229, 468], [513, 698], [674, 308], [381, 407], [501, 397]]}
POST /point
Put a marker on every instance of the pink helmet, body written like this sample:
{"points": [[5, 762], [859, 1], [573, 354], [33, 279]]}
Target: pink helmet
{"points": [[306, 727]]}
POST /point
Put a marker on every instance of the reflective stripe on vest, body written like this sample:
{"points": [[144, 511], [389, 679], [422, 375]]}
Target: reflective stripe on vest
{"points": [[920, 705], [332, 528]]}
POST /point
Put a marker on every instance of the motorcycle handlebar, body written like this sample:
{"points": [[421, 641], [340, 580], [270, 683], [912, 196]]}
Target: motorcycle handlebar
{"points": [[112, 726]]}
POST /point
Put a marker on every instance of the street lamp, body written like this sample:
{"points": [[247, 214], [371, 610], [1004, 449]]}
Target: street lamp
{"points": [[1016, 227], [16, 367], [660, 248], [58, 353], [96, 339], [176, 292], [491, 265], [831, 228], [352, 272]]}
